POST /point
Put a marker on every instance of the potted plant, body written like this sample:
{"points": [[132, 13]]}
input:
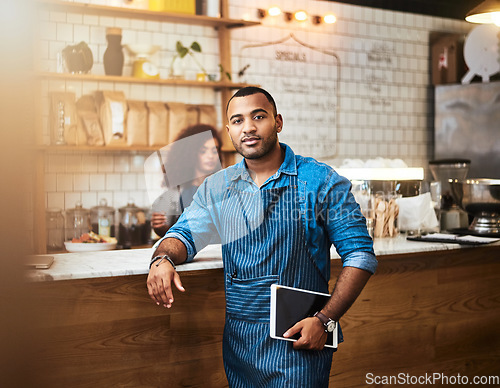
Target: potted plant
{"points": [[224, 73], [181, 52]]}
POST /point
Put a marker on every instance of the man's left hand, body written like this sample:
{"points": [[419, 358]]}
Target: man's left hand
{"points": [[312, 334]]}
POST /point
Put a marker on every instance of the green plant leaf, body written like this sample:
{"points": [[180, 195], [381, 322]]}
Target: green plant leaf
{"points": [[179, 46], [183, 51], [195, 46], [223, 72]]}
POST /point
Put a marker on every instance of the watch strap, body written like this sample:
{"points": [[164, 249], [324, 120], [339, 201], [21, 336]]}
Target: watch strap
{"points": [[323, 319], [157, 260]]}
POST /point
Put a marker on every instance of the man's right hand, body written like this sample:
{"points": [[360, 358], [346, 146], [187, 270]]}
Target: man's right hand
{"points": [[160, 283]]}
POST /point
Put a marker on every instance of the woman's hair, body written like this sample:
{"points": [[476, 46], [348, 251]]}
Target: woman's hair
{"points": [[184, 154], [196, 129]]}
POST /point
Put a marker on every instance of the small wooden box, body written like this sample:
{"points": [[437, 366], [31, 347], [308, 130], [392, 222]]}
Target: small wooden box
{"points": [[447, 58]]}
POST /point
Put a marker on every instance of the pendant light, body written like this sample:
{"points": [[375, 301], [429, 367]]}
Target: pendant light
{"points": [[486, 13]]}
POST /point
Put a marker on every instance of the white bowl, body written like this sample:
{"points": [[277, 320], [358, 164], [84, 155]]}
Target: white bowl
{"points": [[89, 247], [139, 49]]}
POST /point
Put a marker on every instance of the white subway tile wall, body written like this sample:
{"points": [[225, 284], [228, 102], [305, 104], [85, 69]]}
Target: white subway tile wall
{"points": [[385, 103], [89, 176]]}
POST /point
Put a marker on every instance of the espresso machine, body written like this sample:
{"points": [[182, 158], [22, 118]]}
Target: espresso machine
{"points": [[451, 216]]}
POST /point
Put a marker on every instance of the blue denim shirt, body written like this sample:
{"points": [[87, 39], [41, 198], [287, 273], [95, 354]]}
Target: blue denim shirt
{"points": [[328, 211]]}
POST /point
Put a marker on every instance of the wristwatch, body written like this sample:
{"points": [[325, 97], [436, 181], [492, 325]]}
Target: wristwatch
{"points": [[329, 324]]}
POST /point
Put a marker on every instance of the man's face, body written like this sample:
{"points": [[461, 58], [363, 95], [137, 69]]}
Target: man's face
{"points": [[252, 127]]}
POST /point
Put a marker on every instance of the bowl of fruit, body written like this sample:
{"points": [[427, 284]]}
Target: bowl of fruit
{"points": [[91, 242]]}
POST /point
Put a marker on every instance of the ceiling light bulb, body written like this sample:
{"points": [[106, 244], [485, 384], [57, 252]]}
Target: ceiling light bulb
{"points": [[484, 12], [330, 18], [274, 11], [300, 16], [495, 16]]}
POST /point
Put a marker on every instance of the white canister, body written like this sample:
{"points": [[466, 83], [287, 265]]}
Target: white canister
{"points": [[213, 8]]}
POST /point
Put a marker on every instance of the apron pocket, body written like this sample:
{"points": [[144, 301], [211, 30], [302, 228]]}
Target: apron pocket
{"points": [[249, 299]]}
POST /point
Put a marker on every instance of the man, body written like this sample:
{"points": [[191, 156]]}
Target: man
{"points": [[276, 214]]}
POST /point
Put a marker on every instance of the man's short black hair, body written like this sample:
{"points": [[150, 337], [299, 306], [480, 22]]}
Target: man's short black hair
{"points": [[248, 91]]}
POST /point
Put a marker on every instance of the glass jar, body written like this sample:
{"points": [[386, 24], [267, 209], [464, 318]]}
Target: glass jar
{"points": [[132, 226], [147, 236], [102, 218], [362, 192], [77, 222], [55, 229], [386, 213]]}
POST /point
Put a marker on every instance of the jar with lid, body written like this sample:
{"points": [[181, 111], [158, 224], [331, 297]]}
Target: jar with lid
{"points": [[77, 222], [55, 229], [102, 218], [148, 236], [132, 226], [362, 191]]}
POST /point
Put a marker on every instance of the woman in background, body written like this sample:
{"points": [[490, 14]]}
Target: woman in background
{"points": [[192, 157]]}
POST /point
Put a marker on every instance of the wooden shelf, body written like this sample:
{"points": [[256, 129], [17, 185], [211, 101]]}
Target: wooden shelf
{"points": [[108, 148], [126, 148], [126, 79], [223, 25], [133, 13]]}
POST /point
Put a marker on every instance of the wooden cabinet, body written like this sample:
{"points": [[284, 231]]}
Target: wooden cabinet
{"points": [[223, 25], [432, 312]]}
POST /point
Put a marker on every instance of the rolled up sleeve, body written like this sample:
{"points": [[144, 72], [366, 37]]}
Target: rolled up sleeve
{"points": [[347, 226], [361, 260]]}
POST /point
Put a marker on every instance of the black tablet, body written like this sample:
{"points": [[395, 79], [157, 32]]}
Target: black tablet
{"points": [[290, 305]]}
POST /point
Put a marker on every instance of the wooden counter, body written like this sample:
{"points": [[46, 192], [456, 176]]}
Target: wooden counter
{"points": [[430, 312], [436, 312]]}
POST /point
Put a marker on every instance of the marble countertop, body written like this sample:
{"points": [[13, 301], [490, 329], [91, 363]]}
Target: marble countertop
{"points": [[84, 265]]}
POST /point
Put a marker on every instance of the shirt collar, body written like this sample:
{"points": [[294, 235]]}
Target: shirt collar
{"points": [[289, 166]]}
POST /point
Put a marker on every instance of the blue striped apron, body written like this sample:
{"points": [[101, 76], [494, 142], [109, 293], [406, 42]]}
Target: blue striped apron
{"points": [[264, 243]]}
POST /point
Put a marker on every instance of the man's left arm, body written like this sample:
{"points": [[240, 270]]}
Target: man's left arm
{"points": [[346, 228], [349, 285]]}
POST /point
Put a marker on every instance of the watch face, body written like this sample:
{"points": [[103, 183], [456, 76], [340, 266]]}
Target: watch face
{"points": [[149, 69], [330, 326]]}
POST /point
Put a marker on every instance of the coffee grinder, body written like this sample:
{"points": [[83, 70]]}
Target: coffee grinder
{"points": [[451, 216]]}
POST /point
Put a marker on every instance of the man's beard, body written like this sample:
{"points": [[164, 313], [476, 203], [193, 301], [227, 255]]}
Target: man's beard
{"points": [[265, 147]]}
